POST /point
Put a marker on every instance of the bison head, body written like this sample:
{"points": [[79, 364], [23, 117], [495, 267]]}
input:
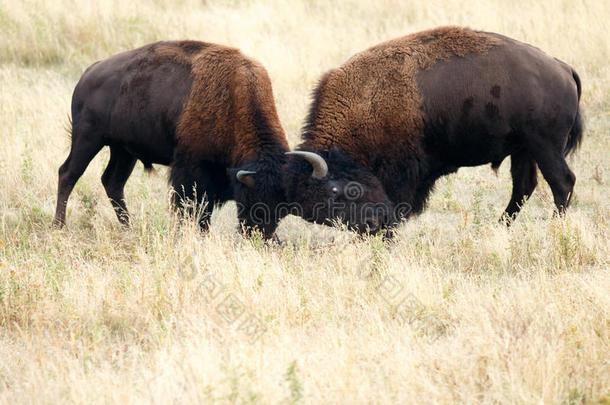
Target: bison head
{"points": [[331, 187], [258, 192]]}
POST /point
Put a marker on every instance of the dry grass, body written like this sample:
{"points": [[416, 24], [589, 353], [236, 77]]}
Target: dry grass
{"points": [[94, 313]]}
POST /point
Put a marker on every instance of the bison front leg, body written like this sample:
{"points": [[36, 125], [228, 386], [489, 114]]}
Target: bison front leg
{"points": [[189, 197], [198, 188], [115, 176]]}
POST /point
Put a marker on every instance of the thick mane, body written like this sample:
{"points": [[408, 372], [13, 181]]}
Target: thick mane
{"points": [[374, 94], [371, 107], [228, 84], [316, 98], [179, 52], [268, 133], [428, 47]]}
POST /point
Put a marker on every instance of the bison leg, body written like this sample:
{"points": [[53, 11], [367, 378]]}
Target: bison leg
{"points": [[197, 188], [524, 174], [83, 150], [188, 197], [115, 176], [557, 173]]}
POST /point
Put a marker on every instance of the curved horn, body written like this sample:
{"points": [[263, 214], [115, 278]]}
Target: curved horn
{"points": [[245, 176], [320, 168]]}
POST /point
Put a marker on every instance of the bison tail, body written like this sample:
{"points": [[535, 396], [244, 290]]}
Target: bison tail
{"points": [[68, 127], [575, 136]]}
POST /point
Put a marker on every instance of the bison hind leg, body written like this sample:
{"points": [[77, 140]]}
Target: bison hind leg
{"points": [[524, 174], [85, 145], [557, 173], [115, 176]]}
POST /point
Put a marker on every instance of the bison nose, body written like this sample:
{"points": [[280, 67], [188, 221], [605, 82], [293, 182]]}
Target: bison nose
{"points": [[372, 224]]}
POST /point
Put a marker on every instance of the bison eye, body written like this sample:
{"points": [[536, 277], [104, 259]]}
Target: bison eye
{"points": [[334, 191]]}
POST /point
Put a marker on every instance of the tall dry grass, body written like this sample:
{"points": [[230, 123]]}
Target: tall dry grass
{"points": [[456, 309]]}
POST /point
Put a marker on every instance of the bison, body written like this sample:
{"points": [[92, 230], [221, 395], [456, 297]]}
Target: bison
{"points": [[205, 110], [394, 118]]}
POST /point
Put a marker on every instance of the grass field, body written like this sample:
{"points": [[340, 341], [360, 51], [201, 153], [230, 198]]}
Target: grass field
{"points": [[457, 309]]}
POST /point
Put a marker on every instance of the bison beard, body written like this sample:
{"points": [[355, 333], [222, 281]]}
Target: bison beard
{"points": [[410, 110], [201, 108]]}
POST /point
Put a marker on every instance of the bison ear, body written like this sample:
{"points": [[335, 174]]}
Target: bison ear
{"points": [[246, 177]]}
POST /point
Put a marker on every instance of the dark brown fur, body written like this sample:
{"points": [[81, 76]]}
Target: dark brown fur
{"points": [[226, 105], [410, 110], [355, 98], [201, 108]]}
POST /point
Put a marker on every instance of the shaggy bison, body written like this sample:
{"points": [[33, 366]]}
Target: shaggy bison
{"points": [[397, 116], [197, 107]]}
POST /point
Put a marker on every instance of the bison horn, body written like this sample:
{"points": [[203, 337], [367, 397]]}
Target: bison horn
{"points": [[245, 176], [320, 168]]}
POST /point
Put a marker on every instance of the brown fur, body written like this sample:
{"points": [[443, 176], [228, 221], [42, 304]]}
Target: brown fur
{"points": [[383, 72], [216, 124], [398, 116], [204, 109]]}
